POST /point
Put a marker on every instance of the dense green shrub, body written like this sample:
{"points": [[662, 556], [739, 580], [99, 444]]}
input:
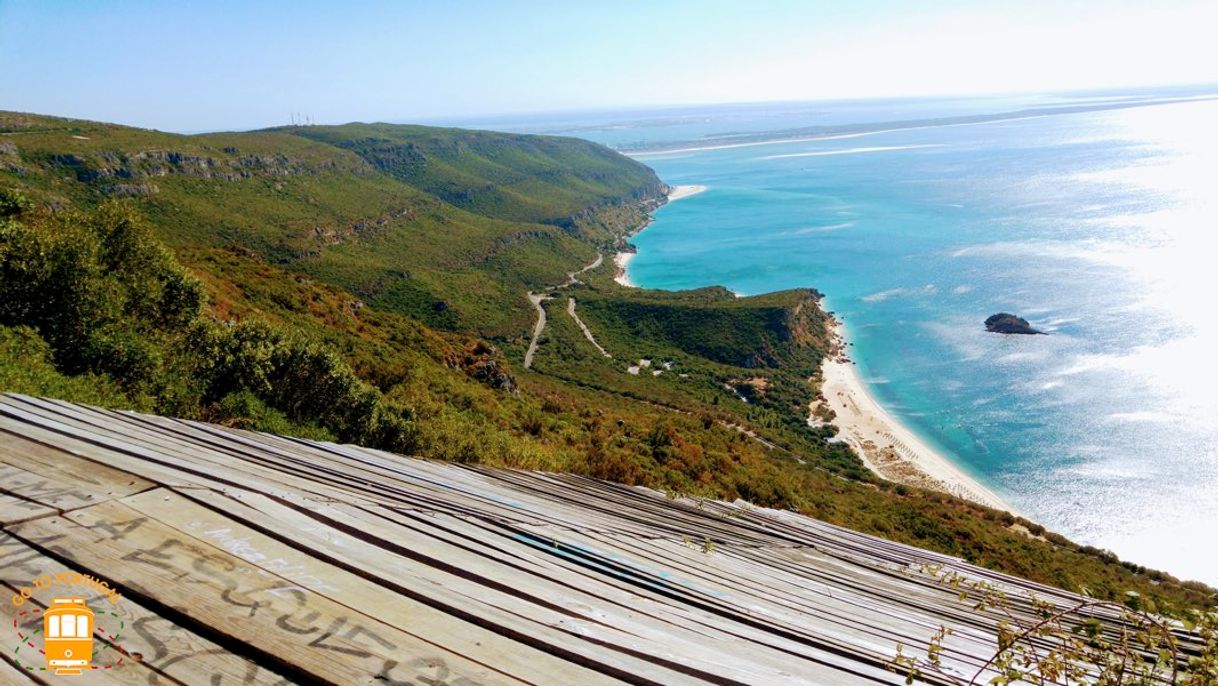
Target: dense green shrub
{"points": [[26, 367], [99, 288], [13, 203], [305, 381], [102, 297], [244, 410]]}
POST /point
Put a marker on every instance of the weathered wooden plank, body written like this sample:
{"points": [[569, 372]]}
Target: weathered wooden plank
{"points": [[649, 590], [866, 621], [616, 625], [420, 486], [10, 674], [630, 507], [158, 650], [694, 563], [58, 491], [15, 509], [31, 493], [68, 469], [66, 439], [424, 548], [694, 578], [493, 606], [523, 607], [26, 656], [208, 466], [307, 635], [226, 451], [456, 635]]}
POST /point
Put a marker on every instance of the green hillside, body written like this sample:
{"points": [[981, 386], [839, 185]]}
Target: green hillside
{"points": [[368, 283], [382, 230], [542, 179]]}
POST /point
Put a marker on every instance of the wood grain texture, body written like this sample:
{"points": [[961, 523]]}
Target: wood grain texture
{"points": [[265, 559]]}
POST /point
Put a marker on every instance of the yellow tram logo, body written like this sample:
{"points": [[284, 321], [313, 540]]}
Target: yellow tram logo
{"points": [[68, 631], [69, 627]]}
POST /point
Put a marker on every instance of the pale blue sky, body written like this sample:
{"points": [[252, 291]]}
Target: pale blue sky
{"points": [[199, 65]]}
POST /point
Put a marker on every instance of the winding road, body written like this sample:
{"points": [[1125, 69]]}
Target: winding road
{"points": [[538, 300], [584, 327]]}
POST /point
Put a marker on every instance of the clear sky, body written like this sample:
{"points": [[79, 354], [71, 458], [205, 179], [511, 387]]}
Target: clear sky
{"points": [[204, 65]]}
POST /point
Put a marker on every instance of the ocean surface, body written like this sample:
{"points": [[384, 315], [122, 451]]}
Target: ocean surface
{"points": [[1100, 227]]}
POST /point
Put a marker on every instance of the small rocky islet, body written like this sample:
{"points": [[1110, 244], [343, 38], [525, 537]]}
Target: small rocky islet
{"points": [[1006, 323]]}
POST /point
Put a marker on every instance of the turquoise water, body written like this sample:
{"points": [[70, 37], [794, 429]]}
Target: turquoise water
{"points": [[1098, 227]]}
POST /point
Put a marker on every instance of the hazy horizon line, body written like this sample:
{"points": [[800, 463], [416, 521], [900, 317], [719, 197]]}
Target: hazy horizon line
{"points": [[524, 115]]}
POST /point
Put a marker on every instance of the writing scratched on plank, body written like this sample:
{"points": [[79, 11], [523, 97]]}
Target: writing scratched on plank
{"points": [[169, 652], [276, 602], [242, 548], [40, 489]]}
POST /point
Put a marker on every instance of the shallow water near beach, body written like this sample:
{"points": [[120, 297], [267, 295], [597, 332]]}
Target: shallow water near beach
{"points": [[1098, 227]]}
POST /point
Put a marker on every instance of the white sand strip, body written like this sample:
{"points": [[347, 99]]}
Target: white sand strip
{"points": [[887, 446], [678, 192]]}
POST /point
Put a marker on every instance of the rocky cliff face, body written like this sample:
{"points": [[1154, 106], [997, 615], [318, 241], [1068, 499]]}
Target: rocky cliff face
{"points": [[809, 323], [613, 223], [231, 166]]}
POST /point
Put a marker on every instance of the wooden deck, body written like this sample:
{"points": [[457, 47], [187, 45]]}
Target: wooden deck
{"points": [[250, 558]]}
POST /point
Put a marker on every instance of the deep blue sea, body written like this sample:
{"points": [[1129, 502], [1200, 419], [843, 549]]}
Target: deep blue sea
{"points": [[1099, 227]]}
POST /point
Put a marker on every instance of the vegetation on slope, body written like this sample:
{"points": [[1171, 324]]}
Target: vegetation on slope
{"points": [[537, 179], [326, 212], [1059, 643], [301, 281], [100, 296]]}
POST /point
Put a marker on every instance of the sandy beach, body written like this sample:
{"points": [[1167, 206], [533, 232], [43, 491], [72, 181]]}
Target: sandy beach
{"points": [[622, 259], [886, 446], [679, 192]]}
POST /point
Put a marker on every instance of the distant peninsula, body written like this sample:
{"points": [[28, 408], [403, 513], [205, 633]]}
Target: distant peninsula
{"points": [[1007, 323]]}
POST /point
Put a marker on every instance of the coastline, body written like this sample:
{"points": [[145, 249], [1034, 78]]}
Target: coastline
{"points": [[678, 192], [887, 447], [621, 259]]}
